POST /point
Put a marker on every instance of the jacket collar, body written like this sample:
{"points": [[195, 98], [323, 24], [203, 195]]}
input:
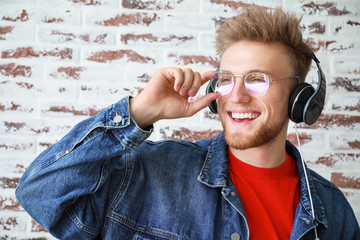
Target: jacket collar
{"points": [[214, 173], [304, 196]]}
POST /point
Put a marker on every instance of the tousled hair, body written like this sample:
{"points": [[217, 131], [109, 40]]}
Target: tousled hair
{"points": [[269, 26]]}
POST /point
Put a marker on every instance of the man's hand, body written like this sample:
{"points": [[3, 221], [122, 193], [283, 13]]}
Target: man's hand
{"points": [[166, 96]]}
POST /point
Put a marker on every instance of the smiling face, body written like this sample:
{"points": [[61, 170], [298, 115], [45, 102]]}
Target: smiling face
{"points": [[251, 122]]}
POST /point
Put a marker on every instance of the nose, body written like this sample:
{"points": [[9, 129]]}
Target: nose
{"points": [[239, 92]]}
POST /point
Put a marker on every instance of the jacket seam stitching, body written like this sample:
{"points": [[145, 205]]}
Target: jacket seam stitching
{"points": [[80, 225], [143, 229]]}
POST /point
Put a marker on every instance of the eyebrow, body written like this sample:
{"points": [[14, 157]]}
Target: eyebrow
{"points": [[251, 71]]}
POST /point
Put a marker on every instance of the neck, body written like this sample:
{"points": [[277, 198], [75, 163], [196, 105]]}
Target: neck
{"points": [[270, 155]]}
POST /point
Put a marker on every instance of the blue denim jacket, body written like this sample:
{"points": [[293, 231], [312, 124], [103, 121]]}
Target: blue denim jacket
{"points": [[103, 180]]}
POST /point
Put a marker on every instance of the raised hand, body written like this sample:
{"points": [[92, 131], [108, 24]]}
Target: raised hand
{"points": [[166, 96]]}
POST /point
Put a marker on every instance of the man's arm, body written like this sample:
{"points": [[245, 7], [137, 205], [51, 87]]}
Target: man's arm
{"points": [[59, 186]]}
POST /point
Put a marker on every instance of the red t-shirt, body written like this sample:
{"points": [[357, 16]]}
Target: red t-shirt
{"points": [[269, 196]]}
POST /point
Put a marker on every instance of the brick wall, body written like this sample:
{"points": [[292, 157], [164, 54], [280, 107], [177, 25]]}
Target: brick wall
{"points": [[63, 61]]}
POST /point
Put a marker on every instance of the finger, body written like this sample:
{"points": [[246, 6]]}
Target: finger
{"points": [[178, 76], [187, 83], [195, 85], [206, 76]]}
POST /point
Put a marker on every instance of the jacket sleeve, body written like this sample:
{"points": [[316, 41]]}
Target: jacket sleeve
{"points": [[58, 188]]}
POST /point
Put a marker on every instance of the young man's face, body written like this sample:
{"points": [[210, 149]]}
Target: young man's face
{"points": [[249, 121]]}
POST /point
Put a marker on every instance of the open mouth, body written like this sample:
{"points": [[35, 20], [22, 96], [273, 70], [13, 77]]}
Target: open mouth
{"points": [[244, 116]]}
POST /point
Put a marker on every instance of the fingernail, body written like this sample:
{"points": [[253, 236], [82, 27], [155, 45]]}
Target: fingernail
{"points": [[192, 92], [184, 90]]}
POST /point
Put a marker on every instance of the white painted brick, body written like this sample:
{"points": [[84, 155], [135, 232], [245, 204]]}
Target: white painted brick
{"points": [[234, 6], [58, 15], [80, 3], [347, 64], [347, 142], [169, 5], [189, 22], [75, 35], [123, 19], [17, 33]]}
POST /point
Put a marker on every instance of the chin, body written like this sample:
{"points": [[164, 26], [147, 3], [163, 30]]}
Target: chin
{"points": [[264, 135]]}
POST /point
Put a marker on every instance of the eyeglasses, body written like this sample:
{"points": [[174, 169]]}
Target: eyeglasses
{"points": [[256, 84]]}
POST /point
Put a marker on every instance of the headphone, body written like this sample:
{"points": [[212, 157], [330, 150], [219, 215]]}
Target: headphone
{"points": [[305, 103]]}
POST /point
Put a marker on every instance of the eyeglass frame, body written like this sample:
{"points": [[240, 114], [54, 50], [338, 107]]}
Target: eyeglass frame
{"points": [[233, 78]]}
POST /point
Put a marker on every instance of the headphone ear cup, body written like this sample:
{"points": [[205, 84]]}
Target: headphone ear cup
{"points": [[298, 100], [213, 104]]}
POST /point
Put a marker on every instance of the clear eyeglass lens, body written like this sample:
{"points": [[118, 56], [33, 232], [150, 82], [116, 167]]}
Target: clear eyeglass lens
{"points": [[256, 84]]}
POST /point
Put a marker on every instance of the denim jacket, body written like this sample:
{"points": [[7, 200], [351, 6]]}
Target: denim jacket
{"points": [[104, 180]]}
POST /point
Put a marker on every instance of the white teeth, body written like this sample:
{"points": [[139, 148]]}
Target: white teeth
{"points": [[244, 115]]}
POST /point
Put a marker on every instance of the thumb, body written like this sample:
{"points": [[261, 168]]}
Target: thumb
{"points": [[203, 102]]}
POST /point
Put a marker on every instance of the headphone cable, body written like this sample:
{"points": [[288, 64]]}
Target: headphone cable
{"points": [[307, 181]]}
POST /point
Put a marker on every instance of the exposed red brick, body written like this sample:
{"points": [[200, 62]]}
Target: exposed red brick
{"points": [[330, 8], [129, 19], [14, 107], [45, 144], [327, 45], [72, 110], [88, 2], [35, 227], [13, 70], [149, 37], [47, 19], [332, 159], [15, 147], [347, 108], [233, 4], [5, 30], [42, 130], [20, 168], [342, 181], [351, 23], [70, 36], [23, 17], [6, 182], [187, 134], [70, 72], [9, 203], [130, 55], [317, 27], [8, 224], [25, 85], [150, 5], [304, 138], [14, 125], [195, 59], [354, 144], [27, 52], [346, 83], [144, 78], [100, 38]]}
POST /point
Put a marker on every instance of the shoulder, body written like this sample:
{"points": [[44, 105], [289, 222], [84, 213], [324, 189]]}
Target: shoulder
{"points": [[331, 196]]}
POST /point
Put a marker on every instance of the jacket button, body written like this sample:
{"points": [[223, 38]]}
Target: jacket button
{"points": [[235, 236], [117, 119]]}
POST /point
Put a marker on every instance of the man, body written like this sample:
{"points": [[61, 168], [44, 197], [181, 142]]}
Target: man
{"points": [[103, 180]]}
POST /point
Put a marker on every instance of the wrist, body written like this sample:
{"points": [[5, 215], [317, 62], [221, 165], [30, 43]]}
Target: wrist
{"points": [[140, 113]]}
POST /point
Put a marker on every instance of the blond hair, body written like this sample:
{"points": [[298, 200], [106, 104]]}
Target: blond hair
{"points": [[270, 26]]}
